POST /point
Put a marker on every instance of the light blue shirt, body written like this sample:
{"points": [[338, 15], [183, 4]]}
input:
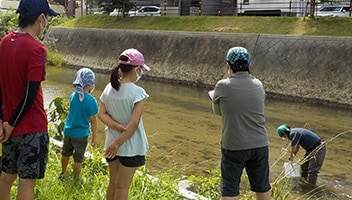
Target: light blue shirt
{"points": [[77, 124], [119, 105]]}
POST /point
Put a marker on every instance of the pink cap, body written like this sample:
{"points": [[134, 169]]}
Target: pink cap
{"points": [[135, 58]]}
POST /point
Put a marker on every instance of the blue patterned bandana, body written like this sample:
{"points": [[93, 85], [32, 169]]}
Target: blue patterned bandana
{"points": [[84, 77], [237, 53]]}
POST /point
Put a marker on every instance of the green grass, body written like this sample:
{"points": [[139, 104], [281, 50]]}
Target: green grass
{"points": [[164, 185], [94, 180], [324, 26]]}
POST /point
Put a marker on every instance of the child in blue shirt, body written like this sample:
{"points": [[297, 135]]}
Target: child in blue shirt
{"points": [[80, 122]]}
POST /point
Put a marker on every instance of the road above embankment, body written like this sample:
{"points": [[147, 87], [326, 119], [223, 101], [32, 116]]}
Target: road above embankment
{"points": [[311, 69]]}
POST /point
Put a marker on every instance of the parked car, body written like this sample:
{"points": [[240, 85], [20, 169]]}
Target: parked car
{"points": [[100, 11], [146, 11], [334, 11], [116, 12]]}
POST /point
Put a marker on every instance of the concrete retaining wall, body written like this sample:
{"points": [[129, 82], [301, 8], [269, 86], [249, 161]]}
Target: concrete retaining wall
{"points": [[305, 68]]}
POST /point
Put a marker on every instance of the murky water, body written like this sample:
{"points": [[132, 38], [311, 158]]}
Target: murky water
{"points": [[184, 133]]}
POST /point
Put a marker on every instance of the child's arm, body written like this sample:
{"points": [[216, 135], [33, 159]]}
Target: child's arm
{"points": [[93, 126], [130, 129], [104, 116]]}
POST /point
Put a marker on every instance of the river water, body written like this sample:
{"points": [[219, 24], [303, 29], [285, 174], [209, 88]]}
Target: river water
{"points": [[183, 132]]}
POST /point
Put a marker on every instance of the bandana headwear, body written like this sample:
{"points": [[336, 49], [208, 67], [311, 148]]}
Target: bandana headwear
{"points": [[84, 77]]}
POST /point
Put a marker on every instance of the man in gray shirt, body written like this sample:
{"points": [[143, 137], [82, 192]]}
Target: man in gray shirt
{"points": [[240, 99]]}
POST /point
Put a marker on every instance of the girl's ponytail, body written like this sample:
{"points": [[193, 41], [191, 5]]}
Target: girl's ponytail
{"points": [[115, 78]]}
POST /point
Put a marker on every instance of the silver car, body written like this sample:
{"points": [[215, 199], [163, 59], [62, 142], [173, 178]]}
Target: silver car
{"points": [[334, 11], [146, 11]]}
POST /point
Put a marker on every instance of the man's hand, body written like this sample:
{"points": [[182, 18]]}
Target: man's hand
{"points": [[6, 132], [291, 158], [1, 130]]}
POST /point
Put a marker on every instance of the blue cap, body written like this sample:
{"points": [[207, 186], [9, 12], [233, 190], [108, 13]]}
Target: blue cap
{"points": [[237, 53], [35, 8]]}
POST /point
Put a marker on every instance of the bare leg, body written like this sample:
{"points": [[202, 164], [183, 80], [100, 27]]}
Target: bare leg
{"points": [[26, 189], [76, 170], [113, 168], [6, 181], [124, 179], [230, 198], [64, 163], [263, 195]]}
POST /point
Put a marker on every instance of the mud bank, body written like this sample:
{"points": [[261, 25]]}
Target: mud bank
{"points": [[309, 69]]}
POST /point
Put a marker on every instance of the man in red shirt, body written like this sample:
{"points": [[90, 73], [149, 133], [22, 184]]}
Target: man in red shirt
{"points": [[23, 121]]}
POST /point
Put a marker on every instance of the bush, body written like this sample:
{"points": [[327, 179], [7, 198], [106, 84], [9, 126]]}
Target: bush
{"points": [[8, 22]]}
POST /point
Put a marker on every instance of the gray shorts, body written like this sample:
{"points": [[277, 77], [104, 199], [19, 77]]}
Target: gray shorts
{"points": [[26, 155], [75, 147]]}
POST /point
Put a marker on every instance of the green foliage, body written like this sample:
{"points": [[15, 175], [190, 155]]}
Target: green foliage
{"points": [[61, 2], [281, 189], [8, 22], [58, 111], [54, 58], [147, 187], [54, 21], [208, 186], [91, 185]]}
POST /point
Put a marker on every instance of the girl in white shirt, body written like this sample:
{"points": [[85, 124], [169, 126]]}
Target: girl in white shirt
{"points": [[121, 108]]}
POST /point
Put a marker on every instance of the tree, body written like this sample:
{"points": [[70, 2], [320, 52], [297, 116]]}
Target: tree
{"points": [[61, 2], [312, 8], [110, 5]]}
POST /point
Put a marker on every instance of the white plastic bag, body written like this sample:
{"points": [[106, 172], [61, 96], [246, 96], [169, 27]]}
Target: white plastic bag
{"points": [[292, 170]]}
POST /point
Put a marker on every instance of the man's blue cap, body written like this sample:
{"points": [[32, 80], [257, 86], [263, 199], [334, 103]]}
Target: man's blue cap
{"points": [[35, 8], [237, 53]]}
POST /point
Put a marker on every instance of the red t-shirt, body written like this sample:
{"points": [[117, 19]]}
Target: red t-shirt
{"points": [[22, 59]]}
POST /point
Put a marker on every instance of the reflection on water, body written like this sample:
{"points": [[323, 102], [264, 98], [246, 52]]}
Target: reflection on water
{"points": [[184, 133]]}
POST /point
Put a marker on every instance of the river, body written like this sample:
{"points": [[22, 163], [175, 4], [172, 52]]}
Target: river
{"points": [[183, 132]]}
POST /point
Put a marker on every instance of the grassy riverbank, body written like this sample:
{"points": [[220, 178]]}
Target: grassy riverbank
{"points": [[326, 26]]}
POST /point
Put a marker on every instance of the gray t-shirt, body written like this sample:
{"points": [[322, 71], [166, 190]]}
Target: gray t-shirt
{"points": [[240, 100], [119, 105]]}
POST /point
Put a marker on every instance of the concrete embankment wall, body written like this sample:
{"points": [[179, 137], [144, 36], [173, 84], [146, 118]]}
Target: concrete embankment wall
{"points": [[305, 68]]}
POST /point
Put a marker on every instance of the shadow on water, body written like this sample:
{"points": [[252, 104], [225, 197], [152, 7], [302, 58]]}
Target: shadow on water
{"points": [[184, 134]]}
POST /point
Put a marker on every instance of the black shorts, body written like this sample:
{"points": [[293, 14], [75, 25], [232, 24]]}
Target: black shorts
{"points": [[133, 161], [256, 163]]}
